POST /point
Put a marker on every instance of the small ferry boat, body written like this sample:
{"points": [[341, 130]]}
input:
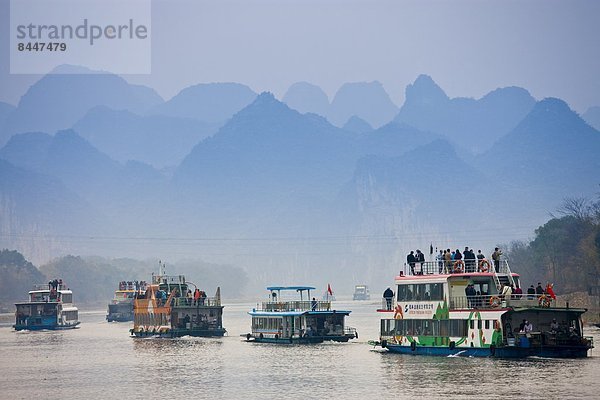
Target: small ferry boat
{"points": [[120, 308], [291, 316], [449, 310], [50, 306], [361, 292], [167, 307]]}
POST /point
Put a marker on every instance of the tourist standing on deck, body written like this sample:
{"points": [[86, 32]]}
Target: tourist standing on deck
{"points": [[530, 293], [539, 290], [496, 257], [440, 259], [388, 295], [448, 258], [421, 260], [411, 259]]}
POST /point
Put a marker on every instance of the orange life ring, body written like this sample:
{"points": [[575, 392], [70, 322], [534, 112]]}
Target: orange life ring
{"points": [[494, 301], [544, 301], [459, 266], [484, 265]]}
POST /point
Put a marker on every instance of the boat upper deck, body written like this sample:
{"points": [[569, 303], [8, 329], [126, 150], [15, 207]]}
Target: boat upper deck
{"points": [[293, 299], [429, 269]]}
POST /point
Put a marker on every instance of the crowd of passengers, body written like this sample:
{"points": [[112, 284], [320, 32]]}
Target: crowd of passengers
{"points": [[198, 297], [450, 262]]}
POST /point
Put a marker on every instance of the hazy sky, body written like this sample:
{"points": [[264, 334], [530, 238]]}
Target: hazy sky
{"points": [[550, 47]]}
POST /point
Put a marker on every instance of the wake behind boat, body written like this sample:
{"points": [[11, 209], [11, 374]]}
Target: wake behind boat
{"points": [[286, 318], [448, 310], [49, 306]]}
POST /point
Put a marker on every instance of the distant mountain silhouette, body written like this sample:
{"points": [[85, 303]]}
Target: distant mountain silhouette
{"points": [[592, 117], [394, 139], [35, 204], [208, 102], [156, 139], [471, 124], [57, 101], [552, 153], [422, 192], [306, 97], [18, 277], [5, 110], [367, 100], [266, 158], [357, 125], [120, 193]]}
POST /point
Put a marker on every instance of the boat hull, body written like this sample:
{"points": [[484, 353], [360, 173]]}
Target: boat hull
{"points": [[119, 317], [120, 312], [47, 327], [296, 340], [496, 352], [175, 333]]}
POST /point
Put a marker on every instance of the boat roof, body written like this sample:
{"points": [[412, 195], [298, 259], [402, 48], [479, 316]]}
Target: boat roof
{"points": [[297, 288], [295, 313]]}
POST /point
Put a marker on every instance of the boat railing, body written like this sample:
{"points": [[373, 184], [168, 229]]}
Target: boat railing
{"points": [[492, 302], [47, 286], [295, 306], [168, 279], [450, 267], [202, 302]]}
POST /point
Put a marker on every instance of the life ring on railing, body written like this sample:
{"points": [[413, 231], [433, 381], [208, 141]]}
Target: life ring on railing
{"points": [[495, 301], [484, 265], [459, 266], [544, 301]]}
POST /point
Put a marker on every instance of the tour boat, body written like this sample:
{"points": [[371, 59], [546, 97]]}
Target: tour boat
{"points": [[361, 292], [167, 308], [433, 313], [49, 306], [120, 308], [290, 315]]}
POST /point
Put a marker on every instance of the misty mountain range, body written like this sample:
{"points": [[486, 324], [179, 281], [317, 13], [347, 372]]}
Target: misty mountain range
{"points": [[285, 189]]}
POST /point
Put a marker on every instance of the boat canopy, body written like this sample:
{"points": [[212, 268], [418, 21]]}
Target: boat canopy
{"points": [[277, 313], [296, 288]]}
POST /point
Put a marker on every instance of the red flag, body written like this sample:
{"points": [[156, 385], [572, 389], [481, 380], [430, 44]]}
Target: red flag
{"points": [[550, 291], [329, 290]]}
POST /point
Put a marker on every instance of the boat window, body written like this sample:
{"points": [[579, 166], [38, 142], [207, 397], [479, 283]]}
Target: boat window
{"points": [[458, 327], [487, 324], [387, 327], [472, 324], [479, 324], [482, 287], [420, 292], [67, 298]]}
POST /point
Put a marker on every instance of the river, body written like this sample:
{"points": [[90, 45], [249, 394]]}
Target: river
{"points": [[101, 360]]}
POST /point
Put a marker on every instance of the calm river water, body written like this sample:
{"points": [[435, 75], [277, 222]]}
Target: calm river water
{"points": [[100, 360]]}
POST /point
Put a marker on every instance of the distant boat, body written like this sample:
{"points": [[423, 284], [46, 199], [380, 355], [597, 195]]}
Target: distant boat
{"points": [[361, 292], [50, 306], [164, 309], [458, 308], [120, 308], [297, 320]]}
